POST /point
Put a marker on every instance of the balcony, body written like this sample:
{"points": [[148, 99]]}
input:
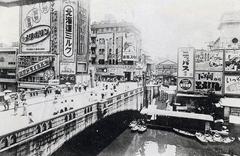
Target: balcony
{"points": [[8, 78]]}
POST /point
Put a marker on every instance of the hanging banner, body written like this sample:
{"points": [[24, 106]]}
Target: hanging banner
{"points": [[206, 81], [185, 84], [232, 84], [185, 62], [35, 27], [232, 60], [129, 47], [209, 60]]}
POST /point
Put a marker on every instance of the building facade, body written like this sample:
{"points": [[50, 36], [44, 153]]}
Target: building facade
{"points": [[166, 71], [115, 49], [54, 38], [8, 69]]}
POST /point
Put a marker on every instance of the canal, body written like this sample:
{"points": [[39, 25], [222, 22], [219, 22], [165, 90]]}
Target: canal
{"points": [[111, 137]]}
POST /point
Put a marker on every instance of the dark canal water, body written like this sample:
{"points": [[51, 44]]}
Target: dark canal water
{"points": [[111, 137]]}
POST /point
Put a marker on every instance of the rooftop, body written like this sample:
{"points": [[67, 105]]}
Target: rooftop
{"points": [[11, 3]]}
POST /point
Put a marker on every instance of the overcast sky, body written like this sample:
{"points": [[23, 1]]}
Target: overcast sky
{"points": [[166, 25]]}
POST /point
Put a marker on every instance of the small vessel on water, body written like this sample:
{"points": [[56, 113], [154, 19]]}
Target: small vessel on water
{"points": [[183, 132], [217, 138], [209, 138], [135, 128], [133, 124], [201, 137], [228, 140], [142, 128]]}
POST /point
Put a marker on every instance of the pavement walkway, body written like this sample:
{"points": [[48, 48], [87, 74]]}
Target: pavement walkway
{"points": [[42, 108]]}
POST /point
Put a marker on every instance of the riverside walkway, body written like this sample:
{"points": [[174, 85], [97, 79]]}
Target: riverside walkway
{"points": [[42, 107]]}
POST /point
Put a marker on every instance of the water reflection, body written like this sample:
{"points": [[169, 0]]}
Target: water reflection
{"points": [[163, 143]]}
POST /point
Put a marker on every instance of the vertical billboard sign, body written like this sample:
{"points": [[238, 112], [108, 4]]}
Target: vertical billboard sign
{"points": [[232, 84], [232, 60], [185, 62], [209, 60], [208, 81], [129, 47], [68, 34], [35, 27]]}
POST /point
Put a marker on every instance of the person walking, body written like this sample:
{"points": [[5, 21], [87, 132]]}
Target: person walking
{"points": [[6, 101], [24, 108], [30, 118], [16, 104]]}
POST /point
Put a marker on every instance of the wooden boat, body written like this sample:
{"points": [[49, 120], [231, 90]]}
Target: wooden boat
{"points": [[209, 138], [228, 140], [201, 137], [133, 124], [142, 128], [223, 132], [217, 138], [183, 132], [135, 128]]}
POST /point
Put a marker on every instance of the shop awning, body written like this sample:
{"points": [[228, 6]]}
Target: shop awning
{"points": [[190, 95], [230, 102]]}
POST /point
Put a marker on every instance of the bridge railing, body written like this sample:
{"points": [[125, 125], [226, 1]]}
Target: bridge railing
{"points": [[99, 109]]}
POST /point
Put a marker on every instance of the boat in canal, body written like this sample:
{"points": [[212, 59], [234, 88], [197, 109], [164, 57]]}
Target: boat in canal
{"points": [[142, 128], [182, 132], [135, 128], [217, 138], [201, 137], [209, 138], [228, 140], [133, 124]]}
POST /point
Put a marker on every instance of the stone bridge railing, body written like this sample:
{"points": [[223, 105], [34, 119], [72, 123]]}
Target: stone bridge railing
{"points": [[47, 136]]}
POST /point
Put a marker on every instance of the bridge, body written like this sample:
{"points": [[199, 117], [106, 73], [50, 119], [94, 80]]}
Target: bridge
{"points": [[48, 131]]}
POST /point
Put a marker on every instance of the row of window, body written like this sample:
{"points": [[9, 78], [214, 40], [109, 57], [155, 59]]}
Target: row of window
{"points": [[100, 30]]}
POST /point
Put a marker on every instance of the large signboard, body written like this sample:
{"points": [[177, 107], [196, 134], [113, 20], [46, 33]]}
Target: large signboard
{"points": [[232, 60], [67, 79], [119, 46], [35, 27], [129, 47], [205, 81], [185, 62], [232, 84], [185, 84], [34, 68], [209, 60], [68, 34]]}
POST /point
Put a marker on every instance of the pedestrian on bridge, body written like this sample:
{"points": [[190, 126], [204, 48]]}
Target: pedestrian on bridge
{"points": [[6, 101], [24, 108]]}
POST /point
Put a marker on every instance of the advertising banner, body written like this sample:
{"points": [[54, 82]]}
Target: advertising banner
{"points": [[209, 60], [185, 62], [119, 46], [129, 47], [205, 81], [185, 84], [67, 68], [232, 60], [34, 68], [232, 84], [68, 33], [35, 27]]}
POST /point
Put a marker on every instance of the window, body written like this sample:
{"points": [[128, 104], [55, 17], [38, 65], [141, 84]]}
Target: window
{"points": [[11, 63]]}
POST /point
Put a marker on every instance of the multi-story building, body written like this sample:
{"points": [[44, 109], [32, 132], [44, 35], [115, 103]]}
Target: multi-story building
{"points": [[166, 71], [53, 44], [8, 69], [115, 49]]}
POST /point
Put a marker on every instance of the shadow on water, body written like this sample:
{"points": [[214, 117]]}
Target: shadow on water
{"points": [[96, 137]]}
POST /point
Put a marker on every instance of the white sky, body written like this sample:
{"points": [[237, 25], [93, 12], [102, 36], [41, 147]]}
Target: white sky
{"points": [[166, 25]]}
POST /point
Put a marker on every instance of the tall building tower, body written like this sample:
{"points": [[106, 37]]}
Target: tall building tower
{"points": [[115, 49], [53, 43]]}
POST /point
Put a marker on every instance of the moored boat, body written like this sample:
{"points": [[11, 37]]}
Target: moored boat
{"points": [[209, 138], [142, 128], [183, 132], [201, 137], [217, 138], [135, 128], [133, 124], [228, 140]]}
